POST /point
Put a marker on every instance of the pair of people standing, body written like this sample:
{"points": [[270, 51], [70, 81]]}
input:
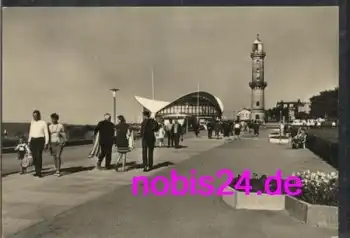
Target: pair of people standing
{"points": [[174, 133], [43, 137], [106, 135]]}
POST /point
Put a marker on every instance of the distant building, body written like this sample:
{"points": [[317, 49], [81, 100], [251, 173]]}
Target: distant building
{"points": [[305, 107], [189, 107], [290, 110], [244, 115]]}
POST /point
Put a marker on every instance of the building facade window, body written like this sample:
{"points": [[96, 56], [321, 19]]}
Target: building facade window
{"points": [[257, 103]]}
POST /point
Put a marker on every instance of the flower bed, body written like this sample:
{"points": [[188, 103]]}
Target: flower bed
{"points": [[317, 205], [319, 188], [257, 183]]}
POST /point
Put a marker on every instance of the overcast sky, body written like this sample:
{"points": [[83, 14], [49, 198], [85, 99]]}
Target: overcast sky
{"points": [[64, 60]]}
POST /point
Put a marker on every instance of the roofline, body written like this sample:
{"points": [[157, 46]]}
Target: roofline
{"points": [[166, 104]]}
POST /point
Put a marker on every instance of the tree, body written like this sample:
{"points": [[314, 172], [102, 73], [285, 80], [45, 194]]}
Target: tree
{"points": [[272, 114], [325, 104]]}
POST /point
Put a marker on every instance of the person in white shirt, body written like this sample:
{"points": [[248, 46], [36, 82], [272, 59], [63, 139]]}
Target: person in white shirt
{"points": [[237, 128], [57, 141], [281, 128], [38, 141], [169, 135]]}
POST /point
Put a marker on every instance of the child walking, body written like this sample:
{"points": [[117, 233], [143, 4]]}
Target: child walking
{"points": [[22, 151], [161, 135]]}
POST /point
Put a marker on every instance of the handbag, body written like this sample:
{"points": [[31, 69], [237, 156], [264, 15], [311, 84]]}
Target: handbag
{"points": [[131, 142], [27, 161]]}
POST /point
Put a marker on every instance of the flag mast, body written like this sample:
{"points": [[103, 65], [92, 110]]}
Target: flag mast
{"points": [[152, 72], [198, 102]]}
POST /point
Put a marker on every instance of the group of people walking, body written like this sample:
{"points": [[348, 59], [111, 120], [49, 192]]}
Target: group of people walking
{"points": [[107, 134], [231, 128], [52, 137], [42, 137]]}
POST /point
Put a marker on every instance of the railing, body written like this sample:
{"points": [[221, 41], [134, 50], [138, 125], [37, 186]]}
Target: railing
{"points": [[11, 149]]}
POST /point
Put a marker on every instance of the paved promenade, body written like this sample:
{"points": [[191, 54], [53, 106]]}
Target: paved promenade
{"points": [[100, 204]]}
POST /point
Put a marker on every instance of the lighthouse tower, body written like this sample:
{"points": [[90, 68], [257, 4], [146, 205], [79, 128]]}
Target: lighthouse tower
{"points": [[258, 84]]}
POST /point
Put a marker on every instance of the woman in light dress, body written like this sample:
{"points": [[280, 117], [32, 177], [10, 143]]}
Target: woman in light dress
{"points": [[57, 141]]}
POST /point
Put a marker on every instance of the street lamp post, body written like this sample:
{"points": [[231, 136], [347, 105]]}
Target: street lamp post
{"points": [[114, 91]]}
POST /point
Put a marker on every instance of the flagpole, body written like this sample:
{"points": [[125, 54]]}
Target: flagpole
{"points": [[152, 83], [198, 102]]}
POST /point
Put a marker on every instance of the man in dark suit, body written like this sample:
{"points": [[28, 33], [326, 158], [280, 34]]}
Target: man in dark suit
{"points": [[148, 127], [177, 133], [106, 130], [210, 128]]}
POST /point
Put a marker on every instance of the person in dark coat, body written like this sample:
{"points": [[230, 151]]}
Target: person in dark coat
{"points": [[148, 127], [217, 128], [106, 132], [196, 128], [210, 128], [177, 132], [256, 126], [226, 129], [231, 128]]}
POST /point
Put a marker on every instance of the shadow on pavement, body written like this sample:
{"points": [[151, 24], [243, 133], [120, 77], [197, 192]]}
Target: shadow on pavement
{"points": [[163, 164], [3, 175], [181, 147], [128, 165], [71, 170]]}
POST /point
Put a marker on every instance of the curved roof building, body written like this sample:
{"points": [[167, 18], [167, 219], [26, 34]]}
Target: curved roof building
{"points": [[202, 104]]}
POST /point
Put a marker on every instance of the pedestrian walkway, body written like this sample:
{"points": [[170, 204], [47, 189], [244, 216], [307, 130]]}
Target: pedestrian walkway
{"points": [[120, 214], [29, 200]]}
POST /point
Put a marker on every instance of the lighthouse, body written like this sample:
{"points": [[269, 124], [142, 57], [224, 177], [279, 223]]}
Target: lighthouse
{"points": [[257, 83]]}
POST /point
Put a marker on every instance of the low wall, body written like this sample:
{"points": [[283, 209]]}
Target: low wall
{"points": [[11, 149], [6, 150]]}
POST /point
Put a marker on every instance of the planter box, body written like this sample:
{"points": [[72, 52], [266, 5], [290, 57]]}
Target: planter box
{"points": [[315, 215], [283, 141], [274, 135], [239, 200]]}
